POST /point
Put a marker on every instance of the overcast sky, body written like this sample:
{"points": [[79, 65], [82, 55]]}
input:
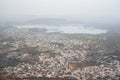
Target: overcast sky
{"points": [[61, 8]]}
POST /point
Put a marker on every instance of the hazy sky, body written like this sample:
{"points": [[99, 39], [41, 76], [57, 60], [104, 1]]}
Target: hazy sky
{"points": [[77, 8]]}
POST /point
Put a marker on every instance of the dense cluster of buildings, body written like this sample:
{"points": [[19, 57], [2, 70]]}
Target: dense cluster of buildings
{"points": [[58, 57]]}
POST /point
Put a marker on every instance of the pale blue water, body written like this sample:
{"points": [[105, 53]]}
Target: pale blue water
{"points": [[70, 29]]}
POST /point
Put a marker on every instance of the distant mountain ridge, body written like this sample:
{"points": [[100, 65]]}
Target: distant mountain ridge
{"points": [[48, 21]]}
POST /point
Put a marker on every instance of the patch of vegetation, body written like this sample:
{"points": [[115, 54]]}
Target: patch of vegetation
{"points": [[5, 62], [9, 39]]}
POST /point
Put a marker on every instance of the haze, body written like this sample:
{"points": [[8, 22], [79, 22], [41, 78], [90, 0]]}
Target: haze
{"points": [[11, 10]]}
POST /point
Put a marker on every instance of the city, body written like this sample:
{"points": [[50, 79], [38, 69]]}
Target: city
{"points": [[29, 54]]}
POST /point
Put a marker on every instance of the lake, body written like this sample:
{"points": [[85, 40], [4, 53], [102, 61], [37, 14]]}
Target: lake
{"points": [[69, 29]]}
